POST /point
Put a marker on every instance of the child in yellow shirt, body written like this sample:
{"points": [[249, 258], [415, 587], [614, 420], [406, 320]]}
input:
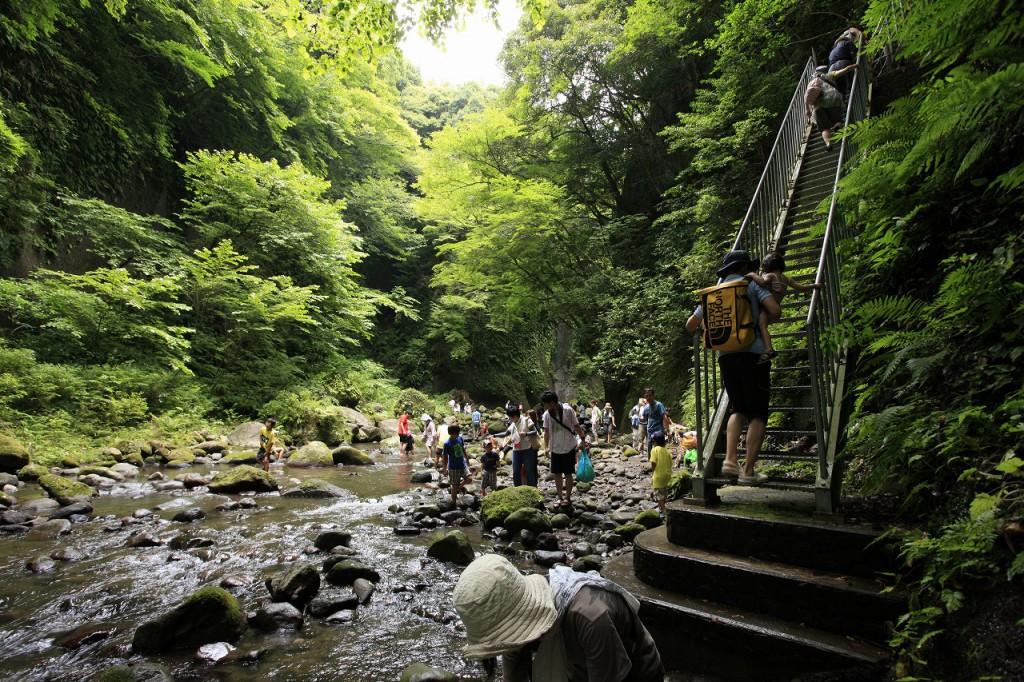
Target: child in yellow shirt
{"points": [[661, 468]]}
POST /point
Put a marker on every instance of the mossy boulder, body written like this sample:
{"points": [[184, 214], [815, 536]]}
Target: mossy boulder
{"points": [[315, 454], [32, 472], [297, 586], [500, 504], [64, 490], [236, 458], [325, 423], [681, 484], [452, 547], [181, 455], [421, 672], [13, 455], [7, 500], [243, 478], [316, 488], [133, 458], [629, 531], [630, 451], [348, 571], [211, 614], [119, 673], [350, 456], [649, 518], [246, 436], [533, 520]]}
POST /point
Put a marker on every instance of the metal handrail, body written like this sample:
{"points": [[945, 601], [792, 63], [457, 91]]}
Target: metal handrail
{"points": [[825, 308]]}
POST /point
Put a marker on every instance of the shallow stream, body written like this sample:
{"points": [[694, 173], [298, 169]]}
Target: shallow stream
{"points": [[116, 588]]}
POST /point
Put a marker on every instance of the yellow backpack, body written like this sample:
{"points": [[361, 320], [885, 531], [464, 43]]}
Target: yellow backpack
{"points": [[729, 323]]}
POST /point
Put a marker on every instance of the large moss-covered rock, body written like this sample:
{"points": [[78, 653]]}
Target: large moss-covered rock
{"points": [[236, 458], [64, 490], [211, 614], [350, 456], [316, 488], [32, 472], [452, 547], [326, 423], [533, 520], [629, 531], [367, 434], [297, 586], [498, 505], [315, 454], [243, 478], [354, 417], [13, 455]]}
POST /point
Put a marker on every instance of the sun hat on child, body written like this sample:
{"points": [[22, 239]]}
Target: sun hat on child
{"points": [[501, 608], [426, 417]]}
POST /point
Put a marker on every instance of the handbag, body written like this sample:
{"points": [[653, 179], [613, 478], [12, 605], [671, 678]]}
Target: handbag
{"points": [[584, 469]]}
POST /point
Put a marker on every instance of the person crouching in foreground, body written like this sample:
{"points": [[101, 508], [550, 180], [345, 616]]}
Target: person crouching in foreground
{"points": [[568, 627]]}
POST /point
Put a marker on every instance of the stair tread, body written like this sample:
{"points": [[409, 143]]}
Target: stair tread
{"points": [[799, 485], [620, 571], [656, 540]]}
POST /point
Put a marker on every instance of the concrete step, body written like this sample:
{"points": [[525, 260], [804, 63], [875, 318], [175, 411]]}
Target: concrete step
{"points": [[727, 643], [835, 602]]}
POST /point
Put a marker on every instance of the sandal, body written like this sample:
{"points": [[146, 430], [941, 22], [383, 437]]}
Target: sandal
{"points": [[767, 356]]}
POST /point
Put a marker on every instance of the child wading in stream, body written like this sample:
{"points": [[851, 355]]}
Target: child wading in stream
{"points": [[776, 282], [454, 455], [268, 442], [489, 462]]}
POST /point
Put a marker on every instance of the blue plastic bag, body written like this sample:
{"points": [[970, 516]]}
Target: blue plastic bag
{"points": [[584, 469]]}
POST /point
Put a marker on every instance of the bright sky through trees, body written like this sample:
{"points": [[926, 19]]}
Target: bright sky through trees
{"points": [[470, 54]]}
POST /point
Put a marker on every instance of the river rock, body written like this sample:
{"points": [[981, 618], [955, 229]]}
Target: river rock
{"points": [[277, 616], [13, 529], [13, 455], [429, 509], [189, 515], [67, 554], [347, 571], [649, 518], [314, 454], [350, 456], [192, 480], [425, 476], [367, 434], [105, 472], [246, 436], [560, 521], [85, 634], [342, 617], [330, 539], [72, 510], [49, 530], [39, 506], [125, 469], [408, 531], [42, 564], [316, 488], [297, 586], [498, 505], [421, 672], [167, 486], [243, 478], [324, 605], [363, 589], [15, 518], [7, 500], [588, 563], [530, 519], [236, 458], [32, 472], [97, 481], [629, 531], [214, 446], [143, 539], [190, 541], [545, 558], [209, 615], [214, 653], [64, 491], [547, 542], [452, 547], [388, 427]]}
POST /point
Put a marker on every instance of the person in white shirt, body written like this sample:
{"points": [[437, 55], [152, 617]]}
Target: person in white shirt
{"points": [[562, 437]]}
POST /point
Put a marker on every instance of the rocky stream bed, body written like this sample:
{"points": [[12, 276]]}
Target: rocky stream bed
{"points": [[190, 563]]}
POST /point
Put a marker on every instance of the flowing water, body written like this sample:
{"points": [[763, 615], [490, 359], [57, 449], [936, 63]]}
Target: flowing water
{"points": [[115, 588]]}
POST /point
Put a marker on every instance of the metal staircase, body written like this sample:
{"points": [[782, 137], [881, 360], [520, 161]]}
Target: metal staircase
{"points": [[809, 371]]}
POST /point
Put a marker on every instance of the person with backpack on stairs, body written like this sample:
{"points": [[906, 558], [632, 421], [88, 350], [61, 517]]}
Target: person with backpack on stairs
{"points": [[826, 101], [746, 380]]}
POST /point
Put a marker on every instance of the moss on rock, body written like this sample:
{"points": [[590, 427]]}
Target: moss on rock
{"points": [[350, 456], [533, 520], [452, 547], [629, 531], [243, 478], [210, 614], [119, 673], [649, 518], [235, 458], [64, 490], [315, 454], [500, 504], [32, 472], [13, 455]]}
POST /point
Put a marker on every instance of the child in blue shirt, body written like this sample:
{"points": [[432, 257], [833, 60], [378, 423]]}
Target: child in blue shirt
{"points": [[454, 455]]}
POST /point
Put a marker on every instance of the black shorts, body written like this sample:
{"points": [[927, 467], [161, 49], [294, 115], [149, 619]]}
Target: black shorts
{"points": [[261, 455], [405, 438], [748, 384], [563, 462]]}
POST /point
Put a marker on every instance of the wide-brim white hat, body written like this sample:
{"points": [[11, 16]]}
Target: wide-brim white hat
{"points": [[426, 417], [501, 608]]}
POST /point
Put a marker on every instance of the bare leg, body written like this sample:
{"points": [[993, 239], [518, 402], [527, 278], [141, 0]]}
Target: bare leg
{"points": [[755, 438], [766, 336], [558, 485], [568, 488], [732, 437]]}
